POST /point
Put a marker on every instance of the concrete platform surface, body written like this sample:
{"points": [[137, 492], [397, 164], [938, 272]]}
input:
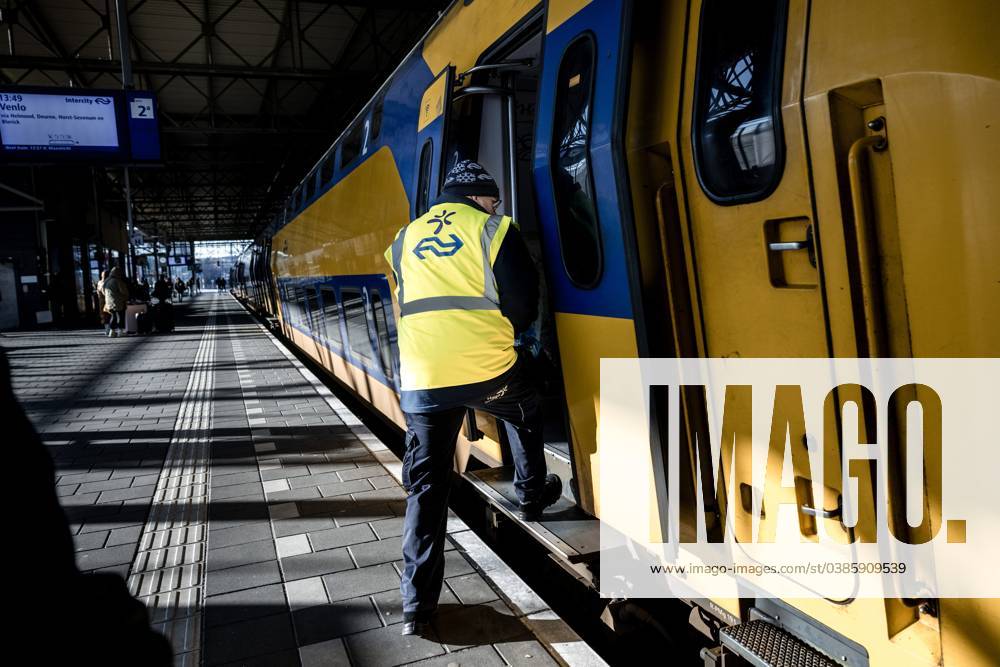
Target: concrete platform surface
{"points": [[256, 517]]}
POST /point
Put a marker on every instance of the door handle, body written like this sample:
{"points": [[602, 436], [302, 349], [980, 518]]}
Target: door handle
{"points": [[819, 512], [784, 246], [804, 244]]}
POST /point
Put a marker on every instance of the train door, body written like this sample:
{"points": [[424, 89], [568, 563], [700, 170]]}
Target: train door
{"points": [[752, 240], [432, 123], [750, 223], [578, 181], [492, 121], [750, 229]]}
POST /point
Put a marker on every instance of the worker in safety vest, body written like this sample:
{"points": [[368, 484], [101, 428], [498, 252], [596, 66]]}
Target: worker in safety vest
{"points": [[466, 286]]}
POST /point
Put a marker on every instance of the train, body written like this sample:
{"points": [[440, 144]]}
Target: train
{"points": [[694, 178]]}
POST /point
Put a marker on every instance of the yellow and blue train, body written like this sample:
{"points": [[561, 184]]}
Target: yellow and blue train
{"points": [[779, 178]]}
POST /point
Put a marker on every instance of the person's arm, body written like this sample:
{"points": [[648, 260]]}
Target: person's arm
{"points": [[517, 281]]}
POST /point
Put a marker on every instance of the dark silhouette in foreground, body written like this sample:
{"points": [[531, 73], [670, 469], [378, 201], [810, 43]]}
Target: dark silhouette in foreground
{"points": [[61, 615]]}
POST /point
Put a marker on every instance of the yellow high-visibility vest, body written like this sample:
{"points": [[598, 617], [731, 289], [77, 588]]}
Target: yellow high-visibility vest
{"points": [[451, 331]]}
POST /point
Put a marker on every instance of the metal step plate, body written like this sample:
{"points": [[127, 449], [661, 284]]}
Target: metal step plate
{"points": [[565, 529], [764, 644]]}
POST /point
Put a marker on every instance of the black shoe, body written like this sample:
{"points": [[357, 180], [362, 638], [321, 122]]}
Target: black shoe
{"points": [[418, 628], [551, 493], [417, 623]]}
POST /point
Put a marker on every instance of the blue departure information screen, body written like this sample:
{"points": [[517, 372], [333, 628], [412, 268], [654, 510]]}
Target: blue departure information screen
{"points": [[51, 125]]}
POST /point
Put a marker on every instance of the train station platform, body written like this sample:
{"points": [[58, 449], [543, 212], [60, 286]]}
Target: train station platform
{"points": [[257, 518]]}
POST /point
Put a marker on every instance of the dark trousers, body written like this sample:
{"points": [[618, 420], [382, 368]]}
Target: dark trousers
{"points": [[427, 465]]}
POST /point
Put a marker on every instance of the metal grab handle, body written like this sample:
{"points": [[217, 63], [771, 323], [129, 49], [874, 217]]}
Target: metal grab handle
{"points": [[861, 234], [784, 246]]}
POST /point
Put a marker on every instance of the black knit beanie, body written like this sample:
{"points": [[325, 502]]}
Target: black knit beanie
{"points": [[469, 178]]}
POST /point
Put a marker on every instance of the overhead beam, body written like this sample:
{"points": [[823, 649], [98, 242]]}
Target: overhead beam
{"points": [[185, 69]]}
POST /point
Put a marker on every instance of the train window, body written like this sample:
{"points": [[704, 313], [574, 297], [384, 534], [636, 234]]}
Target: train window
{"points": [[382, 331], [326, 171], [736, 128], [376, 126], [572, 177], [295, 294], [310, 188], [356, 324], [424, 178], [331, 316], [300, 306], [291, 304], [311, 305], [353, 142]]}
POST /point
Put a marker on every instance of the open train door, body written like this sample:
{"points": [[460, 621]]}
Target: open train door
{"points": [[432, 135], [579, 179]]}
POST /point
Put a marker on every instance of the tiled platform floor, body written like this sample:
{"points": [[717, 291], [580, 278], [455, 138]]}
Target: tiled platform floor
{"points": [[256, 517]]}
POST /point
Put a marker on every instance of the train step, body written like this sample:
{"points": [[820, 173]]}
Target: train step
{"points": [[763, 644], [565, 529]]}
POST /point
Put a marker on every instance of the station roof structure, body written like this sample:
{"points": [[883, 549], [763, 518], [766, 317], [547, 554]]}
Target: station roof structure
{"points": [[250, 92]]}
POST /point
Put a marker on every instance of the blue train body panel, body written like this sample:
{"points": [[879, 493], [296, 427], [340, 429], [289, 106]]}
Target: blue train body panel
{"points": [[368, 285]]}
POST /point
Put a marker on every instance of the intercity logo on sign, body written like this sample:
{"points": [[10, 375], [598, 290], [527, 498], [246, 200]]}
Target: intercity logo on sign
{"points": [[834, 478]]}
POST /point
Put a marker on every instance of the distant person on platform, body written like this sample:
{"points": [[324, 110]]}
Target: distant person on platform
{"points": [[116, 295], [179, 287], [221, 284], [144, 290], [102, 304], [162, 291]]}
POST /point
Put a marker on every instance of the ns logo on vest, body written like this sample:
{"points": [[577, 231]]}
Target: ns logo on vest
{"points": [[434, 244]]}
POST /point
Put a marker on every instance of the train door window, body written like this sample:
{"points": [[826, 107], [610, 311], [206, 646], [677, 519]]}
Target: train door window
{"points": [[572, 177], [424, 178], [382, 332], [356, 324], [736, 128], [331, 316]]}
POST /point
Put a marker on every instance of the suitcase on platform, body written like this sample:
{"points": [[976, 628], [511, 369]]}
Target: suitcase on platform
{"points": [[164, 317], [144, 322], [131, 313]]}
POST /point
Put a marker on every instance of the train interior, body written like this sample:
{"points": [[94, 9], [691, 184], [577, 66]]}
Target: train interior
{"points": [[496, 124]]}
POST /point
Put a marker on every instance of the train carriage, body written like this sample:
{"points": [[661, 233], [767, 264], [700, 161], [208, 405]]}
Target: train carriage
{"points": [[783, 178]]}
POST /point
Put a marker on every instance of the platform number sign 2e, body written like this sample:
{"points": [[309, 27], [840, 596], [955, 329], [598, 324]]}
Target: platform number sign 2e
{"points": [[141, 107]]}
